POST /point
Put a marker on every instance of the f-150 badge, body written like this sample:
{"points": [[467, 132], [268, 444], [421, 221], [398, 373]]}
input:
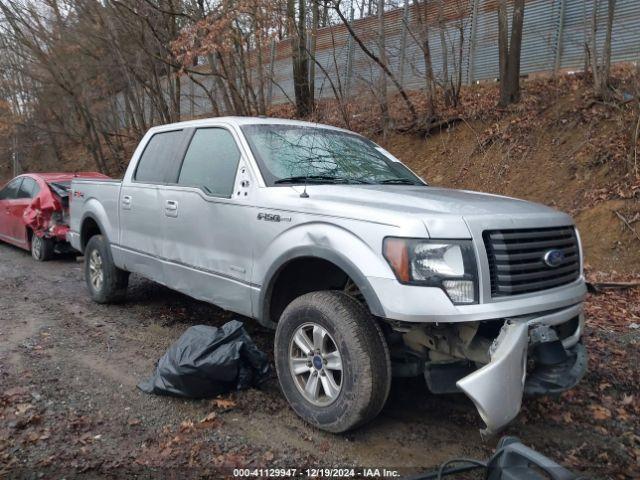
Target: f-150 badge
{"points": [[272, 217]]}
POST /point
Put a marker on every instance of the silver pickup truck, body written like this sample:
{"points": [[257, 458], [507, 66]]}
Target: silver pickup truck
{"points": [[364, 271]]}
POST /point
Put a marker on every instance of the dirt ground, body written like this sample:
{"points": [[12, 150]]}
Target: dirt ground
{"points": [[69, 405]]}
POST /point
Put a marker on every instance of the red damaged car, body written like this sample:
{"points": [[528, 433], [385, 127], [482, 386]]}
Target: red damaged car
{"points": [[34, 211]]}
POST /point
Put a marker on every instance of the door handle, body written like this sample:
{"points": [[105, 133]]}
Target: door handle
{"points": [[126, 200], [171, 208]]}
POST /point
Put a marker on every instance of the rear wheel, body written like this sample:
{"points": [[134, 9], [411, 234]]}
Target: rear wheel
{"points": [[332, 361], [106, 282], [41, 248]]}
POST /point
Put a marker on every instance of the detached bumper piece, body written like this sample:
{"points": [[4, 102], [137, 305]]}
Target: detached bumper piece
{"points": [[497, 388], [553, 376]]}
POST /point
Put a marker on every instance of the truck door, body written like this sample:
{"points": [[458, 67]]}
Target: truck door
{"points": [[207, 243], [140, 205]]}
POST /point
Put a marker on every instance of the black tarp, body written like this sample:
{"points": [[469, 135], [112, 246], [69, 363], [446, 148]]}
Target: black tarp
{"points": [[207, 361]]}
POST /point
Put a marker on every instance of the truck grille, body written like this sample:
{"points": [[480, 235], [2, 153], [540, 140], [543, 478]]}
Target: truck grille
{"points": [[516, 259]]}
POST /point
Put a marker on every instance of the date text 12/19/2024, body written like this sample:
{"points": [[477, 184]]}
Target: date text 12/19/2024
{"points": [[315, 472]]}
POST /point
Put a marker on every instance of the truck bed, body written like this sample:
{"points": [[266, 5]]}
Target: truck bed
{"points": [[94, 197]]}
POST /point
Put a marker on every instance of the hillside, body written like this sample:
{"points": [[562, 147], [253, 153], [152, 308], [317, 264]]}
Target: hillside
{"points": [[560, 149], [559, 146]]}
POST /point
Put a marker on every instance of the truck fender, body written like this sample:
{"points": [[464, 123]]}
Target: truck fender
{"points": [[327, 242], [96, 212]]}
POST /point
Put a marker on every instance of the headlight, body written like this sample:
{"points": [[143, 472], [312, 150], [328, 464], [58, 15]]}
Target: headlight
{"points": [[447, 264]]}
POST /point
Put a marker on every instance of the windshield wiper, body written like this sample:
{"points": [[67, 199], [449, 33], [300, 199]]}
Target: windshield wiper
{"points": [[398, 181], [319, 179]]}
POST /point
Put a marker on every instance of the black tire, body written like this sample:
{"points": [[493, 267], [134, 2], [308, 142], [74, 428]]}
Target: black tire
{"points": [[41, 248], [113, 285], [366, 367]]}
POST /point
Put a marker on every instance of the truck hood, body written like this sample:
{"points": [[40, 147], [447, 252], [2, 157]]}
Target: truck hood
{"points": [[441, 209], [409, 199]]}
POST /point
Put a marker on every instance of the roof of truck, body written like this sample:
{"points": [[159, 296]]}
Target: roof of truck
{"points": [[239, 121]]}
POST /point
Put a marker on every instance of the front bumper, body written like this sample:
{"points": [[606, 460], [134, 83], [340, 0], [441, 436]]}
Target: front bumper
{"points": [[497, 388], [419, 304]]}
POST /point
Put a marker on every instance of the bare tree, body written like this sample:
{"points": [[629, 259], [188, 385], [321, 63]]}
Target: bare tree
{"points": [[315, 23], [300, 59], [382, 49], [407, 101], [509, 50], [423, 41], [601, 64]]}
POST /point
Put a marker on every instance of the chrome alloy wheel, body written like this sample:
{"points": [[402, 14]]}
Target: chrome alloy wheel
{"points": [[96, 275], [315, 364], [36, 247]]}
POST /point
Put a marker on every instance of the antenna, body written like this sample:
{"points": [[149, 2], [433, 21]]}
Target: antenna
{"points": [[304, 193]]}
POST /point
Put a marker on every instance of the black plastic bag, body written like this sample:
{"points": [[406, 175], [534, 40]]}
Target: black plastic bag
{"points": [[207, 361]]}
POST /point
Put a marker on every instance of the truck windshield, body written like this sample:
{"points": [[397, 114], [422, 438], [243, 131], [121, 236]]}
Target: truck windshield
{"points": [[294, 154]]}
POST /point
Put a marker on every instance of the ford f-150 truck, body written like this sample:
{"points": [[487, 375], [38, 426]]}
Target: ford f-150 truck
{"points": [[363, 270]]}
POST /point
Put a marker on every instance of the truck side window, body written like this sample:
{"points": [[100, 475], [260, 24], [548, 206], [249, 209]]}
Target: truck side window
{"points": [[161, 152], [211, 162]]}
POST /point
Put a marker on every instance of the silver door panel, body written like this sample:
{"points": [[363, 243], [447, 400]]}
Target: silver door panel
{"points": [[141, 230]]}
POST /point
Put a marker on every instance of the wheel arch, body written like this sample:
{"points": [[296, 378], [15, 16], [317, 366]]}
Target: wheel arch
{"points": [[310, 255], [89, 227]]}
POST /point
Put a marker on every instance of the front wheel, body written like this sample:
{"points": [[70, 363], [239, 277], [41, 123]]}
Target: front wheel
{"points": [[332, 361], [41, 248], [106, 282]]}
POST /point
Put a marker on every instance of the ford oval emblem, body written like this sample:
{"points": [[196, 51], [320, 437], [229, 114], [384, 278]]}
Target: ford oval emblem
{"points": [[553, 258]]}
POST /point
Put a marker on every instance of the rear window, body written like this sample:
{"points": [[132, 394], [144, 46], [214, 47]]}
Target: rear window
{"points": [[29, 188], [60, 188], [159, 158]]}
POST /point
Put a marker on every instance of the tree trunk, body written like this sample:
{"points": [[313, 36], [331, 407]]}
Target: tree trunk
{"points": [[262, 106], [299, 57], [509, 52], [384, 103], [446, 81], [426, 54], [315, 21], [604, 74]]}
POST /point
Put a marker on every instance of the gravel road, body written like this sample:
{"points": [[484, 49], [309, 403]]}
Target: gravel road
{"points": [[69, 402]]}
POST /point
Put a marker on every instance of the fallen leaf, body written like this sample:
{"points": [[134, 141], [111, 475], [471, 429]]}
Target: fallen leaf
{"points": [[224, 403], [600, 413], [209, 418]]}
